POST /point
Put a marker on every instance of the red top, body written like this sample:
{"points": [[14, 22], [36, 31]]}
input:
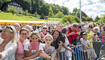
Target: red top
{"points": [[35, 46], [72, 37]]}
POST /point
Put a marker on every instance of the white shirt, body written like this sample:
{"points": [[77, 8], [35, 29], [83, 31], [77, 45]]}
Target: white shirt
{"points": [[9, 51], [66, 42], [86, 42]]}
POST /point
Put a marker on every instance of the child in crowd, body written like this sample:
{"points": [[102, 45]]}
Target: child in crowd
{"points": [[86, 44], [34, 48], [50, 50]]}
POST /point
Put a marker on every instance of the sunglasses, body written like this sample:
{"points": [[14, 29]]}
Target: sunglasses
{"points": [[44, 28], [9, 28]]}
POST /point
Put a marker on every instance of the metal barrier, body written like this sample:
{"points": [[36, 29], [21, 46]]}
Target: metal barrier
{"points": [[98, 46], [80, 53], [101, 58]]}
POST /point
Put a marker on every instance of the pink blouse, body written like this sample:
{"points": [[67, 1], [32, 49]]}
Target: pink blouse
{"points": [[20, 50]]}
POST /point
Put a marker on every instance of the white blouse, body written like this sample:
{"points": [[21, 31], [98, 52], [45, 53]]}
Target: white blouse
{"points": [[9, 51]]}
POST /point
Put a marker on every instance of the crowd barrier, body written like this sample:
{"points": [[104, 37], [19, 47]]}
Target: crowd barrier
{"points": [[80, 53], [102, 57], [98, 46]]}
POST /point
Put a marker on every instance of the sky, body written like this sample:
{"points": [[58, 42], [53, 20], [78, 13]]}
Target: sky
{"points": [[92, 8]]}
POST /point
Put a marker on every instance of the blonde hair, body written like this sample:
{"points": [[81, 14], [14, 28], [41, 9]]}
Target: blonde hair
{"points": [[13, 33], [37, 34], [48, 36]]}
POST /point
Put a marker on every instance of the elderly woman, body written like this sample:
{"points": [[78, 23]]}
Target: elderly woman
{"points": [[8, 43]]}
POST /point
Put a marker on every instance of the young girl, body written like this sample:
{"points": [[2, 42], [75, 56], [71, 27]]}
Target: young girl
{"points": [[86, 44], [34, 48], [50, 50]]}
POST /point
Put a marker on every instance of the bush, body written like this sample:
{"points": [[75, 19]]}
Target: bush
{"points": [[36, 15], [43, 17], [59, 15], [70, 18], [12, 10], [25, 12]]}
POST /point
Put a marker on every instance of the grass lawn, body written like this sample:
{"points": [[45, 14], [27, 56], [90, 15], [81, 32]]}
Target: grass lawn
{"points": [[10, 16]]}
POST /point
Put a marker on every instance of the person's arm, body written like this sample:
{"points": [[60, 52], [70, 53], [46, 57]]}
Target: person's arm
{"points": [[18, 58], [65, 46], [27, 49], [53, 56], [88, 45], [9, 51], [33, 56], [82, 42], [60, 46], [27, 53], [72, 33]]}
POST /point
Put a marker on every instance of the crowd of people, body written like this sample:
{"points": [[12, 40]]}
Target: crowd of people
{"points": [[48, 41]]}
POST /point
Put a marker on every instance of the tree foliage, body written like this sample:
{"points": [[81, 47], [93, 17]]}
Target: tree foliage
{"points": [[51, 14], [97, 19], [59, 14], [70, 18], [102, 19], [39, 6]]}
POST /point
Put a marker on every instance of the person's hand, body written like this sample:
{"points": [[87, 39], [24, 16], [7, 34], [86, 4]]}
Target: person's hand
{"points": [[25, 59], [86, 47], [30, 47], [60, 43], [72, 51], [75, 46], [72, 33], [1, 48], [0, 55]]}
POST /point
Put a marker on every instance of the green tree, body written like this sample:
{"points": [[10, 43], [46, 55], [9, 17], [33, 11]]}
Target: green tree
{"points": [[2, 2], [59, 15], [84, 18], [44, 9], [97, 19], [89, 19], [51, 14], [75, 11], [102, 19], [65, 10]]}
